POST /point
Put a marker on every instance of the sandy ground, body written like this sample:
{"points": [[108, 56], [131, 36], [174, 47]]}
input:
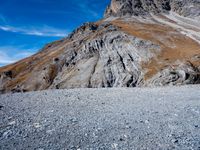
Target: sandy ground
{"points": [[79, 119]]}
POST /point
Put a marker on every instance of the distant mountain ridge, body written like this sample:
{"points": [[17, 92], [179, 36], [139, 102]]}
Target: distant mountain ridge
{"points": [[186, 8], [137, 43]]}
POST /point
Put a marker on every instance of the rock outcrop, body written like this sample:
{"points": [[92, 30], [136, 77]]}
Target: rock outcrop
{"points": [[138, 43], [187, 8]]}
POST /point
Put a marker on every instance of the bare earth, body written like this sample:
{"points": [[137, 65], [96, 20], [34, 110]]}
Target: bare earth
{"points": [[119, 118]]}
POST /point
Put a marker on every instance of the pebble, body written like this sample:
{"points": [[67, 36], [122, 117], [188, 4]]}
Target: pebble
{"points": [[74, 120], [1, 107], [175, 140], [128, 127], [7, 134], [12, 123], [20, 132], [36, 125], [50, 131], [114, 145]]}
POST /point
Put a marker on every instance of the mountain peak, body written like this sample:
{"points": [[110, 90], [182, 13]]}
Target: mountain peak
{"points": [[120, 8]]}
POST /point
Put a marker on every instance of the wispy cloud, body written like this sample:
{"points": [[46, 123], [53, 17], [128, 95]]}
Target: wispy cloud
{"points": [[2, 19], [7, 58], [84, 7], [45, 30]]}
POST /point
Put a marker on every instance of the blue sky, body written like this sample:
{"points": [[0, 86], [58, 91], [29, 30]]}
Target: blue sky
{"points": [[27, 25]]}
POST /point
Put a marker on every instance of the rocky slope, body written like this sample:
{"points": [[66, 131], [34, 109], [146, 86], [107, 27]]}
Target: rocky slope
{"points": [[137, 43], [187, 8], [102, 119]]}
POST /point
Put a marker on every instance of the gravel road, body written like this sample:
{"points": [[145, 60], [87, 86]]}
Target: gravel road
{"points": [[102, 119]]}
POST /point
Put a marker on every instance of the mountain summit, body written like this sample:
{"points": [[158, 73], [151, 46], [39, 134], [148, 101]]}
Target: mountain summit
{"points": [[187, 8], [137, 43]]}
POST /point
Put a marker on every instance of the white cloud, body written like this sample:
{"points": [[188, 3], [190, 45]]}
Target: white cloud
{"points": [[37, 31], [7, 58]]}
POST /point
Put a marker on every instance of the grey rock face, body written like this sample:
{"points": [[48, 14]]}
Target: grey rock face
{"points": [[144, 7], [105, 61], [187, 8], [182, 74]]}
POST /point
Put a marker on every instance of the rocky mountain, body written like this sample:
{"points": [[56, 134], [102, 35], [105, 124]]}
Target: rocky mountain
{"points": [[186, 8], [137, 43]]}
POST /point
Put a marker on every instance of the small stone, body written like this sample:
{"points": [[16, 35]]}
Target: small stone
{"points": [[49, 131], [1, 107], [7, 134], [114, 145], [74, 120], [20, 132], [175, 140], [51, 111], [9, 118], [36, 125], [176, 115], [11, 123], [72, 147], [141, 121], [128, 127]]}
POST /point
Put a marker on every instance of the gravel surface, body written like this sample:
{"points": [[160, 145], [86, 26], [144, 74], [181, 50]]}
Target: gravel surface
{"points": [[121, 118]]}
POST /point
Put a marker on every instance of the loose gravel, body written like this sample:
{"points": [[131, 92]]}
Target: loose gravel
{"points": [[102, 119]]}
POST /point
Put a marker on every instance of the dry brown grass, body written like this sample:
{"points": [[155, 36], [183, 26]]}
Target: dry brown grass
{"points": [[174, 45], [23, 70]]}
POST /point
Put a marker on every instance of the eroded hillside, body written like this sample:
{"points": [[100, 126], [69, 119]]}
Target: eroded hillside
{"points": [[155, 49]]}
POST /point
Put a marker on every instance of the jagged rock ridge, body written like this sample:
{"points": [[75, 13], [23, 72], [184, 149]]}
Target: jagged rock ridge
{"points": [[138, 43], [187, 8]]}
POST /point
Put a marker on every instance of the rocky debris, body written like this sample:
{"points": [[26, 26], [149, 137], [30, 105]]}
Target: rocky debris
{"points": [[131, 118]]}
